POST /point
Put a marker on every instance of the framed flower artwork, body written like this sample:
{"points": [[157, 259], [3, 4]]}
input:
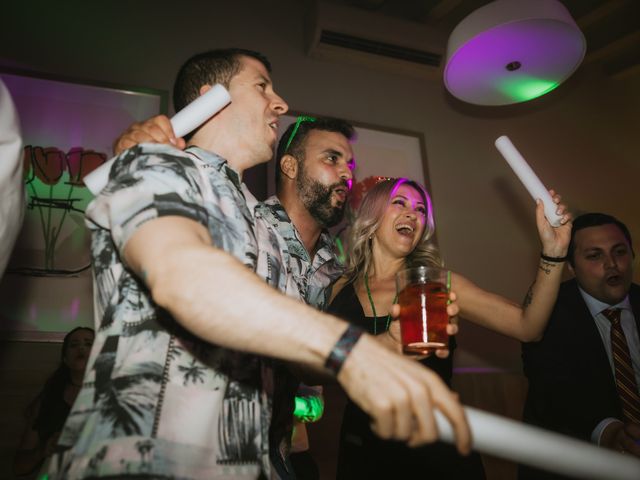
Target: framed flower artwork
{"points": [[68, 128]]}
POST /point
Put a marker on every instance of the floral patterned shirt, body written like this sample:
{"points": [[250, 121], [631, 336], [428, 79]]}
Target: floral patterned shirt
{"points": [[157, 401], [308, 279]]}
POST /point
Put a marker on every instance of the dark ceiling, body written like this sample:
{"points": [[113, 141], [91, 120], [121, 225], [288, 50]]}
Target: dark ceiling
{"points": [[611, 27]]}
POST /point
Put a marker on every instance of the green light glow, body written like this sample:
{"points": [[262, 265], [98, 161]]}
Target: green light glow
{"points": [[342, 255], [308, 409], [521, 89], [56, 214]]}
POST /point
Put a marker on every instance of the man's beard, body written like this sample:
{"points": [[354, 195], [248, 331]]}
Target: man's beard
{"points": [[316, 197]]}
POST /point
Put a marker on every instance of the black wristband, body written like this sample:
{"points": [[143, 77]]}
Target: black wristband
{"points": [[553, 259], [342, 348]]}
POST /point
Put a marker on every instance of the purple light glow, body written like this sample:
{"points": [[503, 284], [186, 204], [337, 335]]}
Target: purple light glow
{"points": [[75, 308], [547, 50], [398, 184]]}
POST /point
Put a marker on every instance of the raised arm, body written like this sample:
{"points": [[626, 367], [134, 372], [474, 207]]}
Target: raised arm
{"points": [[157, 129], [217, 298], [524, 322]]}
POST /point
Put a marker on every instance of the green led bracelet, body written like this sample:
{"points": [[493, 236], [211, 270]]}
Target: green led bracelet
{"points": [[308, 409]]}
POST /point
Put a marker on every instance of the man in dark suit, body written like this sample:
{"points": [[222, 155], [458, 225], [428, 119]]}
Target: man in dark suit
{"points": [[580, 383]]}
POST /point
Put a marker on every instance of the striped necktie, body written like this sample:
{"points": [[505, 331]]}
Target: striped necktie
{"points": [[625, 377]]}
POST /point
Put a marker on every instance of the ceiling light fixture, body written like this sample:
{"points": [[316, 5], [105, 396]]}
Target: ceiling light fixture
{"points": [[511, 51]]}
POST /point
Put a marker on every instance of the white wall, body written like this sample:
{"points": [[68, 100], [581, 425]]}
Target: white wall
{"points": [[582, 138]]}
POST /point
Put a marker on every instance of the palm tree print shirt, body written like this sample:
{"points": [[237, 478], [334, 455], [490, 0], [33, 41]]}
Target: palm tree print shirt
{"points": [[308, 280], [157, 401]]}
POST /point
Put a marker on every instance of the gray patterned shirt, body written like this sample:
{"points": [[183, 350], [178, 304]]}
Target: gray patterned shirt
{"points": [[156, 400], [307, 279]]}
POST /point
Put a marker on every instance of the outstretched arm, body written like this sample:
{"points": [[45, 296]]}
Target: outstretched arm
{"points": [[524, 322], [191, 279]]}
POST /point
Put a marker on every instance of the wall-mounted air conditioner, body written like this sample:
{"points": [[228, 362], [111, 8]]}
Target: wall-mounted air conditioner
{"points": [[344, 34]]}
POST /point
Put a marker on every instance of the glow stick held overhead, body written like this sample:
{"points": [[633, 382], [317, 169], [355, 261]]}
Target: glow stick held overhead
{"points": [[528, 178], [186, 120]]}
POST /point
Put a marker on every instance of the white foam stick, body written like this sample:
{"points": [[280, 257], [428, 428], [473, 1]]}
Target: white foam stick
{"points": [[186, 120], [200, 110], [528, 178], [542, 449]]}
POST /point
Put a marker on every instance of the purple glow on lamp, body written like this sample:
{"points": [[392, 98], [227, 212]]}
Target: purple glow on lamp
{"points": [[498, 52]]}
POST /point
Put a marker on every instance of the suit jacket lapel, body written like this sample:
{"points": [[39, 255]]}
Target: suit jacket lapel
{"points": [[589, 336]]}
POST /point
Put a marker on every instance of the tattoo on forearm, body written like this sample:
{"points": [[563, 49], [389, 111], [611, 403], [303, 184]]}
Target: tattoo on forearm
{"points": [[528, 297], [546, 267]]}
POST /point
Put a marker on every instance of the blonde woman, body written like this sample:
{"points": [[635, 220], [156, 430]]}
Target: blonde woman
{"points": [[394, 230]]}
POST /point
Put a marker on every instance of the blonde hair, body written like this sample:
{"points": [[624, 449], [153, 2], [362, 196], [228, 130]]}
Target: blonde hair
{"points": [[368, 218]]}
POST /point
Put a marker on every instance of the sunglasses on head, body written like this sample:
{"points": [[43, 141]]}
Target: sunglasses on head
{"points": [[299, 120]]}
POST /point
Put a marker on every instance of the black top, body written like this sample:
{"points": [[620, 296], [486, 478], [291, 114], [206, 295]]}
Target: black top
{"points": [[362, 454], [51, 416], [347, 306]]}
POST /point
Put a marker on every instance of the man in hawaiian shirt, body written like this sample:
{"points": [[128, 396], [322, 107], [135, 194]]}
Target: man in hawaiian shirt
{"points": [[314, 164], [180, 379]]}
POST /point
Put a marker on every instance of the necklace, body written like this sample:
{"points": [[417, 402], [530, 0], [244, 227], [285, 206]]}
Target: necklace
{"points": [[373, 308]]}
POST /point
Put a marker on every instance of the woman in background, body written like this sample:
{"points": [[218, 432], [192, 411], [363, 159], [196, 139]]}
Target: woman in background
{"points": [[47, 413], [393, 231]]}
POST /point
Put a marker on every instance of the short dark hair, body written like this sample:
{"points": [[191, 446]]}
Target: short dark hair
{"points": [[209, 68], [295, 146], [595, 220]]}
